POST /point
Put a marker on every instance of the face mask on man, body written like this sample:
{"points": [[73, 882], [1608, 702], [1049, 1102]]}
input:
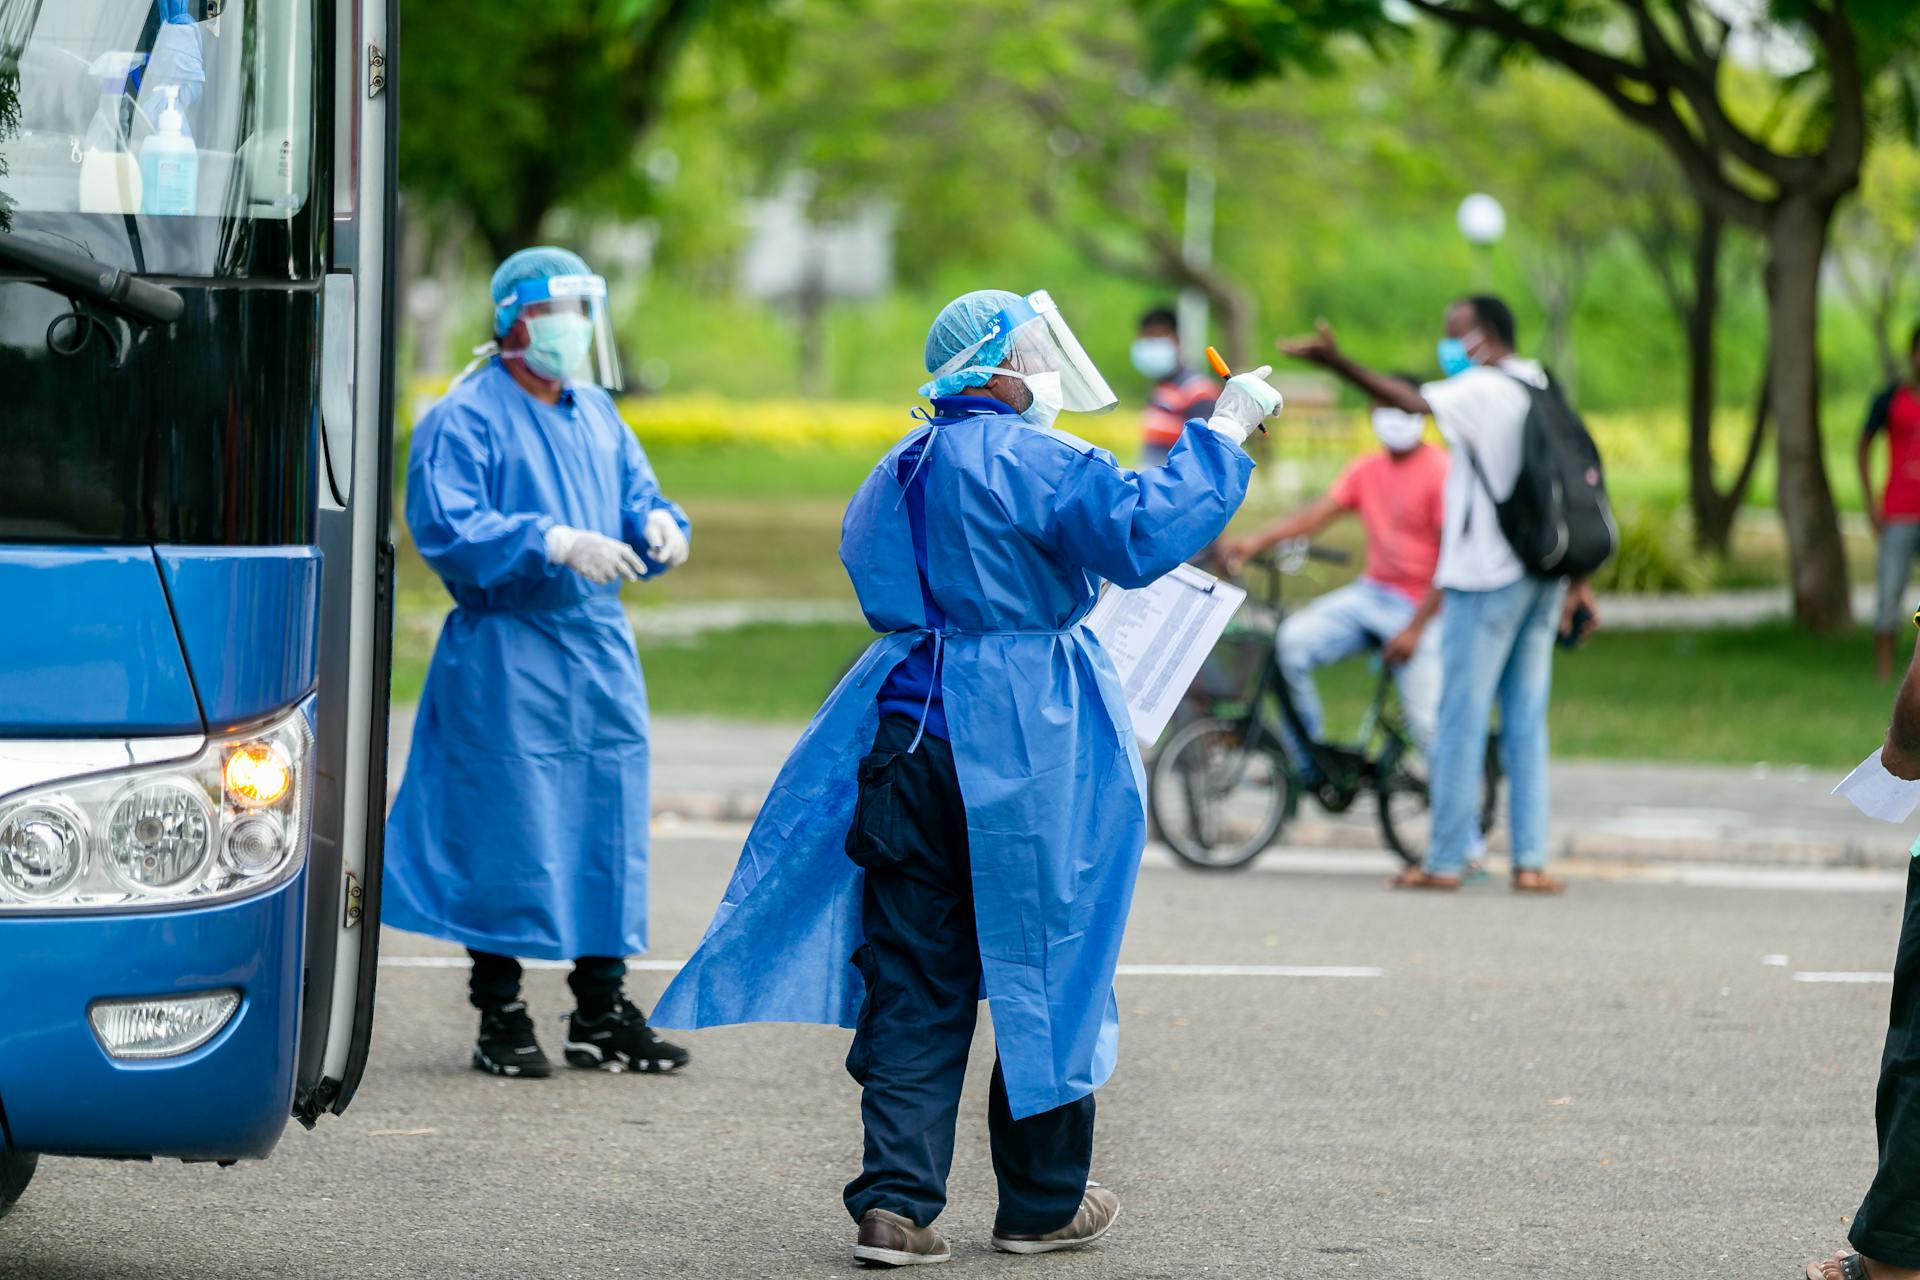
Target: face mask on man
{"points": [[1398, 430], [1047, 398], [1155, 357], [1455, 357], [557, 343]]}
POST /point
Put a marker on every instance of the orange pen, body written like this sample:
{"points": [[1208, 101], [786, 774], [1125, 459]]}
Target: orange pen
{"points": [[1219, 364]]}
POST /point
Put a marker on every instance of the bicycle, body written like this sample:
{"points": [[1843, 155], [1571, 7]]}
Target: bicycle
{"points": [[1225, 785]]}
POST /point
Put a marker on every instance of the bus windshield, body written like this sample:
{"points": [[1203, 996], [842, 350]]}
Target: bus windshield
{"points": [[157, 135]]}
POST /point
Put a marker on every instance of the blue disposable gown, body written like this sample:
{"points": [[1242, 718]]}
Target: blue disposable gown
{"points": [[1023, 523], [521, 824]]}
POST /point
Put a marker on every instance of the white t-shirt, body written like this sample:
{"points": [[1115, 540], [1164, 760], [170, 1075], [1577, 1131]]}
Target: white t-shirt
{"points": [[1483, 409]]}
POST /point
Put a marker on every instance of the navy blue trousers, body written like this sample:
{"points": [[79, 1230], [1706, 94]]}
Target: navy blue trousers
{"points": [[921, 963], [1887, 1227]]}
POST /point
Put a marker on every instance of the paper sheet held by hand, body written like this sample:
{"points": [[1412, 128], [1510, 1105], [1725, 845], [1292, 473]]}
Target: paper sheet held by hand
{"points": [[1879, 794]]}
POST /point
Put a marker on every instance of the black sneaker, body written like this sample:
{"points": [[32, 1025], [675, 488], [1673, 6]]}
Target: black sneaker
{"points": [[506, 1046], [620, 1041]]}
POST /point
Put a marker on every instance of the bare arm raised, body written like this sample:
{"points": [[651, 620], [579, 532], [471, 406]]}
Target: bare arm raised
{"points": [[1321, 349]]}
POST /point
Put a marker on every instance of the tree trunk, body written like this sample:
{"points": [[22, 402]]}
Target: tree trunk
{"points": [[1712, 522], [1235, 310], [1796, 234]]}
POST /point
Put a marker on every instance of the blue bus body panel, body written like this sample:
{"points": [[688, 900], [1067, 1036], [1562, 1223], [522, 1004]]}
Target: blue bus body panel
{"points": [[88, 648], [248, 618], [230, 1098]]}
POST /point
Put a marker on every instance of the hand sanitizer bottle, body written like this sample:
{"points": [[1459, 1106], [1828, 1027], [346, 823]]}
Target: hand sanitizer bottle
{"points": [[109, 174], [170, 164]]}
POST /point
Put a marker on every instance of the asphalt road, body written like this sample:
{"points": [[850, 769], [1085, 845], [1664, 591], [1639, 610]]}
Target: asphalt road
{"points": [[1630, 1081]]}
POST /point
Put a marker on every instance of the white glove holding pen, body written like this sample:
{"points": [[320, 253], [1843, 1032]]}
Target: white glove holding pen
{"points": [[1246, 402], [594, 556], [666, 540]]}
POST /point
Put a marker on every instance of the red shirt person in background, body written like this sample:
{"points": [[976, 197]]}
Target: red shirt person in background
{"points": [[1896, 515], [1178, 392]]}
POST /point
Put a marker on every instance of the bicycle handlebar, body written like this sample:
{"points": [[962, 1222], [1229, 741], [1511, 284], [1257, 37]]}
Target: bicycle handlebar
{"points": [[1291, 557]]}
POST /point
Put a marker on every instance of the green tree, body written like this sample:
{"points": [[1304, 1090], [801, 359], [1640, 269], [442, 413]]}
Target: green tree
{"points": [[9, 128], [511, 115], [1019, 115], [1878, 247], [1779, 165]]}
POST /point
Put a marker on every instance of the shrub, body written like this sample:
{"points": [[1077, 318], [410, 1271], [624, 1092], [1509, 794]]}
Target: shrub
{"points": [[1656, 556]]}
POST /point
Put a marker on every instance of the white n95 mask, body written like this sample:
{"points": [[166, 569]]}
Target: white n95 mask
{"points": [[1398, 429], [1048, 398]]}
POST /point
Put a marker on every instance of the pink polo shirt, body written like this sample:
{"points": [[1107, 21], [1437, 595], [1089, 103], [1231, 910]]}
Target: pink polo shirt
{"points": [[1398, 499]]}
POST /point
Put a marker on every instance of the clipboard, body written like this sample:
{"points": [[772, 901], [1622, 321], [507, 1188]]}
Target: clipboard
{"points": [[1157, 637]]}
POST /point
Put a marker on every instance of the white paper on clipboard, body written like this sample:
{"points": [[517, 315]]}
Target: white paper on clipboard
{"points": [[1158, 635]]}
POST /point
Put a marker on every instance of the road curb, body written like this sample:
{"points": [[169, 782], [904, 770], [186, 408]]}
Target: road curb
{"points": [[1754, 848]]}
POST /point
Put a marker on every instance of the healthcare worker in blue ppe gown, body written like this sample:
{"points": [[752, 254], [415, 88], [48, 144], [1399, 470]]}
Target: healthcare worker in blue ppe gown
{"points": [[964, 816], [520, 829]]}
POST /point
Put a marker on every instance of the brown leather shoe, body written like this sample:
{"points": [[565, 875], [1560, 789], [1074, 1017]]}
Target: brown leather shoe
{"points": [[1098, 1208], [889, 1240]]}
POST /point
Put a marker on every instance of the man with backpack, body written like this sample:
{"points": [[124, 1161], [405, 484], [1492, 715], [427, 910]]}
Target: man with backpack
{"points": [[1525, 521]]}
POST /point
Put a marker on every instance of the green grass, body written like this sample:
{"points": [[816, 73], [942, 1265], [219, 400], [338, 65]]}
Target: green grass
{"points": [[763, 672], [767, 672], [1770, 694], [766, 526]]}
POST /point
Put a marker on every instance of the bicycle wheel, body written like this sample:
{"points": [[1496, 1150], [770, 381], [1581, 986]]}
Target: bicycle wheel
{"points": [[1217, 802], [1406, 820]]}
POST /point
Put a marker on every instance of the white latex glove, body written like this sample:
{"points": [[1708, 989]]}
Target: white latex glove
{"points": [[666, 540], [1245, 404], [594, 556]]}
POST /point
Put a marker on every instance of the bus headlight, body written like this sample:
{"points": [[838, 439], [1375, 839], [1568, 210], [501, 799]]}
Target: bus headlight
{"points": [[159, 834], [43, 850], [229, 821]]}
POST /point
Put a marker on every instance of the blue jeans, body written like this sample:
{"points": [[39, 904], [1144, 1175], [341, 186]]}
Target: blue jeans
{"points": [[1493, 644], [1360, 616], [1899, 544]]}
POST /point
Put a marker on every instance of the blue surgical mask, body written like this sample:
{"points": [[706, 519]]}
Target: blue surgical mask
{"points": [[1453, 356], [1155, 358], [557, 343]]}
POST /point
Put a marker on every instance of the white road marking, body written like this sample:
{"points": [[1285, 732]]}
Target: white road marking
{"points": [[461, 962], [1880, 978], [1705, 875], [1374, 862], [1126, 970], [1250, 971]]}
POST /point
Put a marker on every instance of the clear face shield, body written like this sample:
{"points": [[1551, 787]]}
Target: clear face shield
{"points": [[569, 334], [1037, 344]]}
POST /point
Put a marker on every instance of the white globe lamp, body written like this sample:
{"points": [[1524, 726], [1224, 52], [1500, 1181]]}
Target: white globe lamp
{"points": [[1481, 219]]}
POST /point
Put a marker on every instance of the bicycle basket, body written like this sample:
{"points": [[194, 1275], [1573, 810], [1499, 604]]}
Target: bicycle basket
{"points": [[1231, 669]]}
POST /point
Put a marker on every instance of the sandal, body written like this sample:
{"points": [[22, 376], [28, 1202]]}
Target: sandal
{"points": [[1852, 1267], [1418, 878], [1532, 880]]}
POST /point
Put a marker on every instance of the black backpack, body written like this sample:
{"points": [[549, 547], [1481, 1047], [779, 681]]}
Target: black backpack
{"points": [[1557, 519]]}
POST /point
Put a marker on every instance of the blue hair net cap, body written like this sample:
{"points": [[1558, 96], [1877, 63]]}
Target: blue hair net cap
{"points": [[958, 326], [543, 262]]}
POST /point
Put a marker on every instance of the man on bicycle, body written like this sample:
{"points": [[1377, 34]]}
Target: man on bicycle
{"points": [[1396, 491]]}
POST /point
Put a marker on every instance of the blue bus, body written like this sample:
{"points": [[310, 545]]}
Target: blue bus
{"points": [[197, 244]]}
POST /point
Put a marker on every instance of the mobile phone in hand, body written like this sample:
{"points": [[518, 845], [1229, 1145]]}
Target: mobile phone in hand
{"points": [[1582, 622]]}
